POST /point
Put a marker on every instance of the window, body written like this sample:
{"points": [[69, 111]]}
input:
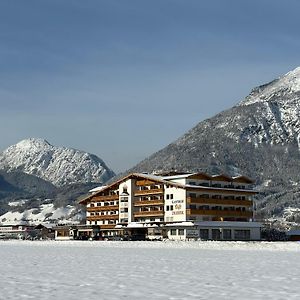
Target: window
{"points": [[167, 208], [171, 196], [204, 234], [168, 196], [242, 234], [226, 234], [124, 199], [206, 196], [180, 231], [216, 234], [173, 231], [98, 204]]}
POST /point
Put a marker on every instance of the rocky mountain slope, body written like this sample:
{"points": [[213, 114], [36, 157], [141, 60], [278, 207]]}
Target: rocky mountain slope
{"points": [[58, 165], [259, 137], [41, 183]]}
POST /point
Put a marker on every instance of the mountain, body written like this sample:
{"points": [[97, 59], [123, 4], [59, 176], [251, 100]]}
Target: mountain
{"points": [[41, 183], [58, 165], [259, 137]]}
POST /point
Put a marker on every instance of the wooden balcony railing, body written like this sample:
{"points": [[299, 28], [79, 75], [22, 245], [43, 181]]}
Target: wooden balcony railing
{"points": [[219, 213], [144, 182], [103, 208], [149, 202], [223, 190], [102, 217], [200, 200], [105, 198], [154, 213], [148, 192]]}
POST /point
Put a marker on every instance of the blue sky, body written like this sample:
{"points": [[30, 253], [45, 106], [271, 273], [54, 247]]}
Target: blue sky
{"points": [[122, 79]]}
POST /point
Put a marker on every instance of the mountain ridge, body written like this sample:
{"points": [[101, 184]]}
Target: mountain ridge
{"points": [[58, 165], [259, 137]]}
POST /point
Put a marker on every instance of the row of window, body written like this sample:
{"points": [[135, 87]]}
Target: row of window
{"points": [[174, 232], [218, 234], [104, 222], [104, 203], [104, 213], [146, 198], [150, 187], [225, 234], [218, 185], [169, 207], [207, 207], [149, 220], [207, 196]]}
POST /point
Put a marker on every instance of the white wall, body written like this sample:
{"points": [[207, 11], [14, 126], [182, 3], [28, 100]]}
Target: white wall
{"points": [[178, 203]]}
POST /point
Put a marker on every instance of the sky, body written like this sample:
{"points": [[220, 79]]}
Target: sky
{"points": [[124, 78]]}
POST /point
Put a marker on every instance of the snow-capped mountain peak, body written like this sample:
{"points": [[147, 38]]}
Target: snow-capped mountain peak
{"points": [[286, 86], [59, 165]]}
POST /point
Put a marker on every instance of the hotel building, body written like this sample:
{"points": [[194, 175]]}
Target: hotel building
{"points": [[177, 206]]}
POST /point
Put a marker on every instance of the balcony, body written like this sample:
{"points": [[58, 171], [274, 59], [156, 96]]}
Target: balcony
{"points": [[199, 200], [220, 213], [233, 191], [148, 192], [102, 208], [144, 182], [148, 202], [102, 217], [151, 213], [105, 198]]}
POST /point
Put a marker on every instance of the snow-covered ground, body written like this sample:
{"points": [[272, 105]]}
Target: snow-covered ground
{"points": [[149, 270], [45, 213]]}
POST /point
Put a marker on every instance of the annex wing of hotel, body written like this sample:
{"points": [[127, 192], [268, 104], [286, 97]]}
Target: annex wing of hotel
{"points": [[175, 206]]}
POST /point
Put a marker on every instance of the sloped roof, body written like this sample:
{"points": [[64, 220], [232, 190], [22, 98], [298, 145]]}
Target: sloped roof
{"points": [[135, 176], [168, 180]]}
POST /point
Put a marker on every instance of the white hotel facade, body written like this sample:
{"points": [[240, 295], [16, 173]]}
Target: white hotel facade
{"points": [[178, 206]]}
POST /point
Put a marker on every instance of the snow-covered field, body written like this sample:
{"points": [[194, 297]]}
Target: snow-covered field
{"points": [[149, 270]]}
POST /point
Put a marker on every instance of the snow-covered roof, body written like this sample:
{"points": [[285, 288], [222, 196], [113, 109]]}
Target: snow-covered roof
{"points": [[178, 176], [181, 224], [97, 189], [161, 179]]}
